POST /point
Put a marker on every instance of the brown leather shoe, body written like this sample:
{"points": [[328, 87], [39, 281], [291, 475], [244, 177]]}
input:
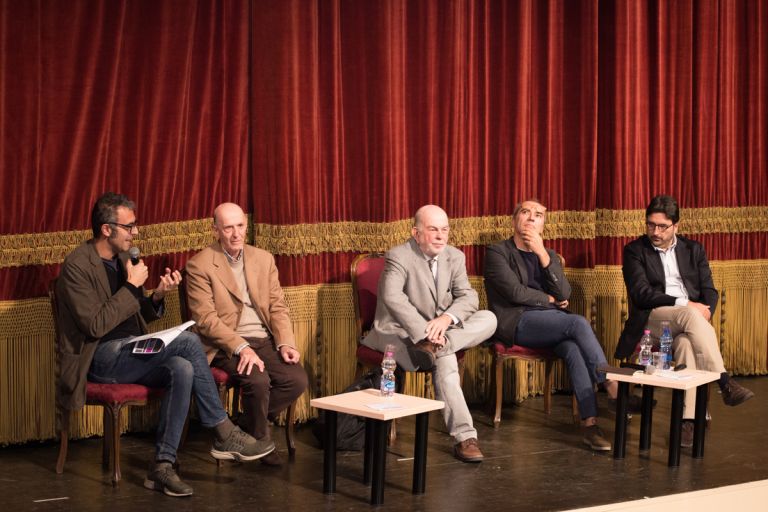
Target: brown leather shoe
{"points": [[272, 459], [468, 451], [686, 435], [422, 354]]}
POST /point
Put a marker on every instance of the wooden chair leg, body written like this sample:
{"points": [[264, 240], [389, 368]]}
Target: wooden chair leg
{"points": [[289, 439], [499, 381], [63, 441], [115, 412], [548, 381], [108, 428], [575, 409]]}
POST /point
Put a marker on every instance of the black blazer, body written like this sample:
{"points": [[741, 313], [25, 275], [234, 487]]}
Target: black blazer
{"points": [[506, 285], [644, 278]]}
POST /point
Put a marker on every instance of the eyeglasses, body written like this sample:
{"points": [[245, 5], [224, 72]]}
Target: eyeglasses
{"points": [[661, 227], [128, 227]]}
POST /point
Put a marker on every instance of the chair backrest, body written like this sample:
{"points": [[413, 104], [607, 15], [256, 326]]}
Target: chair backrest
{"points": [[183, 305], [365, 271]]}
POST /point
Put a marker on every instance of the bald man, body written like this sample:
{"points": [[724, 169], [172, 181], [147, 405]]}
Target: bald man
{"points": [[428, 310], [235, 297]]}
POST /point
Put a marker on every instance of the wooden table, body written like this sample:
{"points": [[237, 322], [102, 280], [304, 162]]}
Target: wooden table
{"points": [[376, 427], [695, 380]]}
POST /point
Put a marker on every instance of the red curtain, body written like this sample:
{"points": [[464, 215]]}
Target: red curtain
{"points": [[333, 111]]}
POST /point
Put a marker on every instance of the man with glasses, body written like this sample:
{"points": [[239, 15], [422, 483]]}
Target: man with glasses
{"points": [[101, 307], [427, 309], [668, 279]]}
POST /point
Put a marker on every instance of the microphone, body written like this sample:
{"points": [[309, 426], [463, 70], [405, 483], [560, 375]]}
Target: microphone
{"points": [[135, 254]]}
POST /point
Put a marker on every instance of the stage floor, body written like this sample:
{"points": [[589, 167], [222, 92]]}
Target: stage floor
{"points": [[533, 462]]}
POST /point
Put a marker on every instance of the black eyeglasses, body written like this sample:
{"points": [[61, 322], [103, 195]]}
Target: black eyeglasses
{"points": [[128, 227], [661, 227]]}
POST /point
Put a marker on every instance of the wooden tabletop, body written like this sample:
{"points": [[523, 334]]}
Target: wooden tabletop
{"points": [[359, 403], [684, 379]]}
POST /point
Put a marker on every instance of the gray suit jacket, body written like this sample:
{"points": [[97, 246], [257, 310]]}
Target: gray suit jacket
{"points": [[408, 297]]}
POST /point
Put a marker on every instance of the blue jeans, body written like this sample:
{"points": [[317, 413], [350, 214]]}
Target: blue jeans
{"points": [[181, 369], [571, 338]]}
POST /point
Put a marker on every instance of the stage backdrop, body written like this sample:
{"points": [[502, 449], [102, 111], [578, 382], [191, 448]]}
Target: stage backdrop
{"points": [[331, 122]]}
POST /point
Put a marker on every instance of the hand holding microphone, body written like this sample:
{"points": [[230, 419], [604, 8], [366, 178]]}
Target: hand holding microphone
{"points": [[135, 268]]}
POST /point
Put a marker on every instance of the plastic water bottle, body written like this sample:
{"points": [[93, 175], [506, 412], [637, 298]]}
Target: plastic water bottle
{"points": [[666, 345], [646, 345], [388, 366]]}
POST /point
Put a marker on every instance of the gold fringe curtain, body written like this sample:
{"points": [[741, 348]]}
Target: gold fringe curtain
{"points": [[323, 320]]}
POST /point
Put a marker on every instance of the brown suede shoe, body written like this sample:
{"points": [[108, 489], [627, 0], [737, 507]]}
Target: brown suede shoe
{"points": [[468, 451], [735, 394], [594, 438], [686, 435]]}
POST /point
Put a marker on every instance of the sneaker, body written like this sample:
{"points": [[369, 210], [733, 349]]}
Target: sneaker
{"points": [[734, 393], [241, 447], [686, 435], [595, 439], [164, 478], [468, 451]]}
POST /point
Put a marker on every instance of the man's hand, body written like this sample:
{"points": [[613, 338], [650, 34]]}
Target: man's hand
{"points": [[289, 354], [535, 244], [435, 331], [249, 359], [701, 308], [136, 274], [168, 282]]}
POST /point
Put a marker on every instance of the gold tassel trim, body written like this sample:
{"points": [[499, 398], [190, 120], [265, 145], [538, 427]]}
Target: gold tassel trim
{"points": [[330, 237]]}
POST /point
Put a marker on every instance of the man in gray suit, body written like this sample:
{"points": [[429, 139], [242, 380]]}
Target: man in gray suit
{"points": [[428, 310]]}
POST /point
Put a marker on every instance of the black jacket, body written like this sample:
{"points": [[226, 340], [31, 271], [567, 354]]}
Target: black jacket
{"points": [[644, 278], [506, 285]]}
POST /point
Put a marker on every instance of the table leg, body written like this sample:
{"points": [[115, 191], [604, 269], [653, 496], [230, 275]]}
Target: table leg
{"points": [[420, 453], [379, 461], [699, 425], [368, 450], [646, 418], [675, 426], [329, 453], [620, 435]]}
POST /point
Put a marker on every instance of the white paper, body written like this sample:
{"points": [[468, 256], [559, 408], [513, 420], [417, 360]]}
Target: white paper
{"points": [[672, 375], [383, 406], [155, 342]]}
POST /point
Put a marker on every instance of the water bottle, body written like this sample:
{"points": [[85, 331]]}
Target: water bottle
{"points": [[646, 344], [666, 345], [388, 366]]}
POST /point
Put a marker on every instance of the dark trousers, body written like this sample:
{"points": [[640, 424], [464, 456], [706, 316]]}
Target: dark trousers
{"points": [[264, 395]]}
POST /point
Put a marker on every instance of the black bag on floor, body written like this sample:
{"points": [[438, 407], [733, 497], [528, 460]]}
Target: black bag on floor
{"points": [[350, 429]]}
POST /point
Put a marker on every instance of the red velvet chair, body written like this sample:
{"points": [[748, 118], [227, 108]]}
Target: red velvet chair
{"points": [[112, 398], [501, 353], [224, 383], [365, 271]]}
